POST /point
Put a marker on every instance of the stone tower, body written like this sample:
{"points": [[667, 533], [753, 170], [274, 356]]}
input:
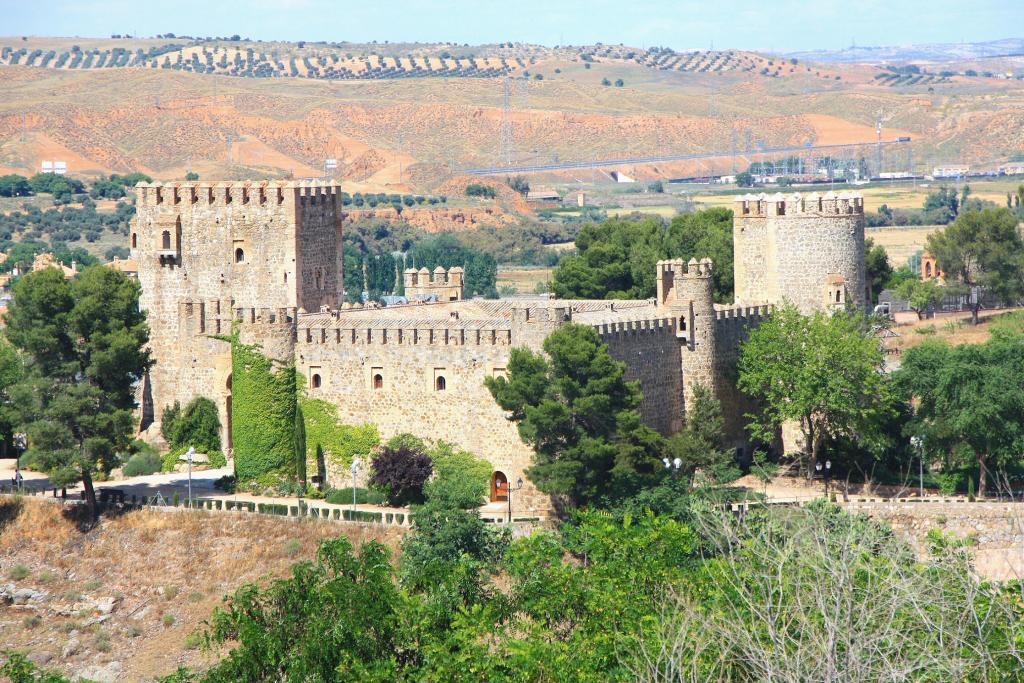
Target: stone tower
{"points": [[808, 250], [686, 290], [210, 253]]}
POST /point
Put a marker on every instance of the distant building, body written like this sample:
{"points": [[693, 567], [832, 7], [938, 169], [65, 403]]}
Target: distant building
{"points": [[1012, 168], [620, 177], [543, 195], [441, 285], [127, 266], [930, 268], [951, 171], [47, 260]]}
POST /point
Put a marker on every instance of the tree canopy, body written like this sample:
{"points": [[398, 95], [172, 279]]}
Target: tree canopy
{"points": [[617, 258], [822, 371], [982, 248], [84, 343], [574, 407]]}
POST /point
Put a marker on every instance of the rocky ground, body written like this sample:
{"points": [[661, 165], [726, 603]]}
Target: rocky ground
{"points": [[122, 601]]}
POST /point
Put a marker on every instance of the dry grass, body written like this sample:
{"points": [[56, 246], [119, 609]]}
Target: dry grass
{"points": [[525, 280], [955, 328], [901, 243], [145, 558]]}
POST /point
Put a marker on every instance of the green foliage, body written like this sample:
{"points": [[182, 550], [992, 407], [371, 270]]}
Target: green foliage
{"points": [[198, 426], [617, 257], [340, 442], [580, 416], [969, 400], [191, 176], [401, 473], [14, 186], [744, 179], [263, 402], [169, 421], [141, 464], [461, 480], [300, 449], [876, 267], [480, 190], [822, 371], [921, 294], [517, 183], [86, 341], [982, 248], [699, 446], [363, 496], [19, 669]]}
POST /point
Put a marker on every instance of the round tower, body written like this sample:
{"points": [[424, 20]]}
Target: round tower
{"points": [[808, 250], [687, 290]]}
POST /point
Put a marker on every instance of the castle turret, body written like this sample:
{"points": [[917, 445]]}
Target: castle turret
{"points": [[805, 249], [687, 291]]}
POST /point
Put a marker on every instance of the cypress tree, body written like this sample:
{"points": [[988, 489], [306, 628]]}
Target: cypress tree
{"points": [[300, 449]]}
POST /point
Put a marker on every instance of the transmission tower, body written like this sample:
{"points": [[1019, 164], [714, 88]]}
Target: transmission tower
{"points": [[878, 143], [506, 121]]}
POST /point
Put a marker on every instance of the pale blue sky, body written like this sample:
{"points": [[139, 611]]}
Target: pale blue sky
{"points": [[680, 24]]}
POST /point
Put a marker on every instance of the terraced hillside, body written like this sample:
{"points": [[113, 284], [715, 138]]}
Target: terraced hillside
{"points": [[403, 117]]}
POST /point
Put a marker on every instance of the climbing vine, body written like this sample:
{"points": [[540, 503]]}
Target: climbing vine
{"points": [[339, 442], [263, 401]]}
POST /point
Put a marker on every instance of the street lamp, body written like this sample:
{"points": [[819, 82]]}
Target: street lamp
{"points": [[828, 473], [20, 443], [508, 491], [188, 456], [672, 465], [354, 469], [917, 443]]}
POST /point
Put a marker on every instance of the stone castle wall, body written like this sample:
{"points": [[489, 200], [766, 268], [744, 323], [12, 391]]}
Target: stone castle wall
{"points": [[792, 248], [212, 247]]}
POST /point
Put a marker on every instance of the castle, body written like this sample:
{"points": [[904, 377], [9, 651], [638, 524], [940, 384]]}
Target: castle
{"points": [[267, 259]]}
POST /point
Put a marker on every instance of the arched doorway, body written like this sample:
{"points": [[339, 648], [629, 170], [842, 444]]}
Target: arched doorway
{"points": [[499, 488]]}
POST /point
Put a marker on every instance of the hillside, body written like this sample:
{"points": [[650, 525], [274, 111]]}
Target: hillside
{"points": [[120, 601], [404, 117]]}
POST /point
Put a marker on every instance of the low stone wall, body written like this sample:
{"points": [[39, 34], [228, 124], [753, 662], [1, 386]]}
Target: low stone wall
{"points": [[995, 529]]}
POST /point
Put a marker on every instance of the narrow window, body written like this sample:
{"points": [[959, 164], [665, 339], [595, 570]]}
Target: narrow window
{"points": [[378, 381], [839, 294], [166, 240], [316, 381], [135, 240], [239, 255], [440, 383], [682, 323]]}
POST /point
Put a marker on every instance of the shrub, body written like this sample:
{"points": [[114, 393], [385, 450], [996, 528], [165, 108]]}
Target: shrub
{"points": [[168, 620], [460, 478], [168, 420], [32, 620], [142, 464], [193, 640], [480, 190], [170, 592], [363, 496], [401, 472], [18, 572], [198, 426]]}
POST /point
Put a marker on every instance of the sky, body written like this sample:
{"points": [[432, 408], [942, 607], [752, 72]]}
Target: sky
{"points": [[679, 24]]}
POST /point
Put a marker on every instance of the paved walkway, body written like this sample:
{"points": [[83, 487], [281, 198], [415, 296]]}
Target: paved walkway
{"points": [[168, 484]]}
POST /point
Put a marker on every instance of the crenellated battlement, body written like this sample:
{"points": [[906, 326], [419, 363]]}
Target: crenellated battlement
{"points": [[244, 193], [830, 204], [368, 335], [743, 312], [692, 269], [628, 328]]}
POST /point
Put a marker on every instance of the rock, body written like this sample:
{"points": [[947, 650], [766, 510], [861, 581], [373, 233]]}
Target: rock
{"points": [[106, 605], [71, 648], [23, 595], [105, 673], [40, 657]]}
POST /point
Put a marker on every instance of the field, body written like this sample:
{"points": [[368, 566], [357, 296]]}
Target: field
{"points": [[165, 571], [955, 328], [525, 280], [901, 243]]}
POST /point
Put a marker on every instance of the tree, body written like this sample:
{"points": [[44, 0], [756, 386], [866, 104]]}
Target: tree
{"points": [[699, 446], [84, 342], [942, 205], [14, 186], [982, 249], [969, 399], [460, 478], [401, 473], [921, 294], [197, 426], [519, 184], [191, 176], [876, 267], [822, 371], [580, 416], [619, 83], [744, 179]]}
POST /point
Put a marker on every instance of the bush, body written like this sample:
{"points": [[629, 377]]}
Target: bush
{"points": [[198, 426], [460, 479], [142, 464], [401, 472], [480, 190], [363, 496]]}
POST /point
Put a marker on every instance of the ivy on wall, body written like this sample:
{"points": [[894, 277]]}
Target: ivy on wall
{"points": [[340, 442], [263, 401]]}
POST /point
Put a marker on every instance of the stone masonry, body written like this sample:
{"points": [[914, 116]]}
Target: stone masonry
{"points": [[266, 257]]}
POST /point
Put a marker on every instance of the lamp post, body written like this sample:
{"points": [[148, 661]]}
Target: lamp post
{"points": [[188, 456], [917, 443], [354, 469], [827, 474], [20, 442], [508, 491]]}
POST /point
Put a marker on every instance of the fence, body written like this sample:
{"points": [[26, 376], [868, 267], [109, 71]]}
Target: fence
{"points": [[301, 509]]}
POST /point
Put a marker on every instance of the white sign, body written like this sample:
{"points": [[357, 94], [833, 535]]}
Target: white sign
{"points": [[331, 164], [58, 167]]}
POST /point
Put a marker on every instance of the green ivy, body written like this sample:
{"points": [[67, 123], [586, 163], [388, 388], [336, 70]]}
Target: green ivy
{"points": [[263, 400], [340, 442]]}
